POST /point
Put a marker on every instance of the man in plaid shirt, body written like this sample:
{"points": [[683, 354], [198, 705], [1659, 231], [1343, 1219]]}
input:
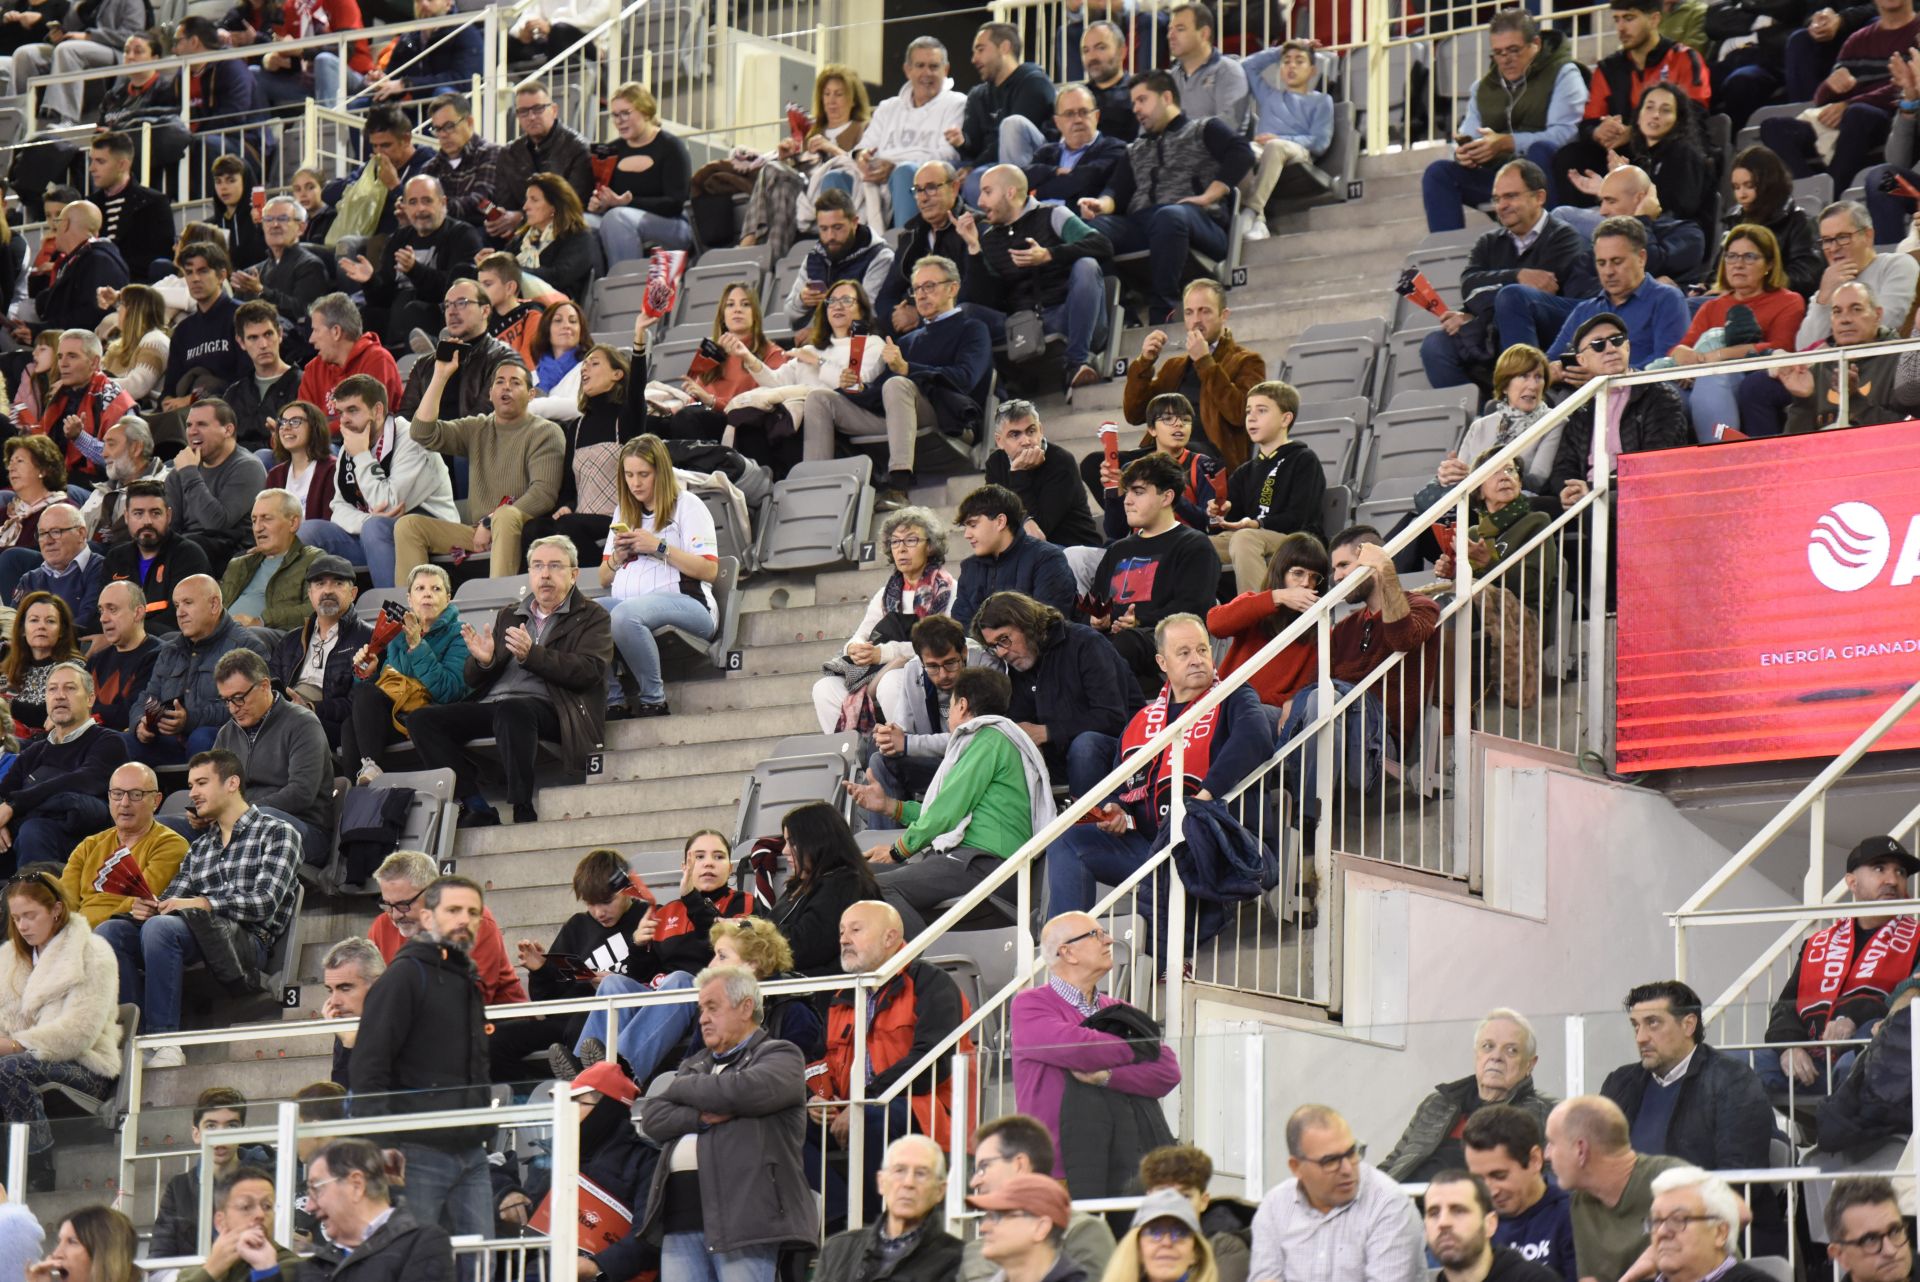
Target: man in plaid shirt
{"points": [[237, 884], [467, 165]]}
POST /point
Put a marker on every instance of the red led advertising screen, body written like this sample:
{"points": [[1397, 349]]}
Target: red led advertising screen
{"points": [[1769, 597]]}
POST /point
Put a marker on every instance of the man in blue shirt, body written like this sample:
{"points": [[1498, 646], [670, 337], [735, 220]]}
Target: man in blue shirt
{"points": [[1503, 1146], [1293, 122], [1656, 315]]}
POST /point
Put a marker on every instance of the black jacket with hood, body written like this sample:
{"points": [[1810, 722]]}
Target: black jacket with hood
{"points": [[423, 1032]]}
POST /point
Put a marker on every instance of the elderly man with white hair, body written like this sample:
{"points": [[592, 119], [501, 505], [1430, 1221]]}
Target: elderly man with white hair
{"points": [[1695, 1222], [127, 456], [68, 568], [84, 403], [1505, 1052], [292, 276], [268, 585], [906, 1243], [1053, 1047]]}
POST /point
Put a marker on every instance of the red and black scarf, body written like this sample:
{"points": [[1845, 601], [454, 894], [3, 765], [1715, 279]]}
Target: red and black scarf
{"points": [[1153, 779], [1835, 971]]}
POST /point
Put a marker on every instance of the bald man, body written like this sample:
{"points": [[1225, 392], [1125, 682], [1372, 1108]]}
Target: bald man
{"points": [[91, 264], [1676, 247], [1612, 1186], [133, 794], [1050, 1043], [1047, 259], [911, 1014], [913, 1182], [68, 568], [186, 710]]}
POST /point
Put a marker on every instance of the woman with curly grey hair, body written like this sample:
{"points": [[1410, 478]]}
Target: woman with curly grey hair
{"points": [[915, 541]]}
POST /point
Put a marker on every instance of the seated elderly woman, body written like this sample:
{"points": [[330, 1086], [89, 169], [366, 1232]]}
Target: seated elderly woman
{"points": [[1503, 523], [915, 540], [425, 664], [1504, 1054]]}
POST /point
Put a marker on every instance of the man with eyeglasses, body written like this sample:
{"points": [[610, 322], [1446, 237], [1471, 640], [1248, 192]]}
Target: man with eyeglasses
{"points": [[1015, 1146], [1460, 1222], [1694, 1224], [467, 166], [1504, 1054], [260, 394], [932, 230], [68, 568], [313, 664], [243, 1229], [1054, 1048], [1338, 1219], [1867, 1233], [906, 1241], [1655, 417], [545, 146], [1022, 1230], [468, 390], [133, 795], [1526, 106], [908, 745], [401, 881], [292, 275], [1081, 161], [51, 796], [85, 402], [285, 762], [847, 250], [1652, 312], [1846, 237], [229, 903], [182, 710], [420, 263]]}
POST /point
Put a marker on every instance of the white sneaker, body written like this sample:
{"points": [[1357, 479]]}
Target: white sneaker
{"points": [[1256, 228], [368, 772], [166, 1057]]}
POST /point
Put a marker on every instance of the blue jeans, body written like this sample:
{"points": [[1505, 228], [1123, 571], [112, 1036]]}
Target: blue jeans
{"points": [[837, 181], [648, 1034], [1863, 128], [153, 956], [326, 79], [1358, 753], [1090, 756], [1078, 318], [684, 1257], [905, 777], [169, 750], [1763, 404], [1713, 399], [634, 620], [54, 827], [1166, 232], [1766, 1066], [451, 1189], [1019, 139], [625, 230], [1523, 314], [1447, 186], [900, 191], [372, 547], [1083, 858]]}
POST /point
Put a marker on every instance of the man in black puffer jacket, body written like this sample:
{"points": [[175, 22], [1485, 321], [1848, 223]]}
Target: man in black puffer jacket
{"points": [[422, 1047]]}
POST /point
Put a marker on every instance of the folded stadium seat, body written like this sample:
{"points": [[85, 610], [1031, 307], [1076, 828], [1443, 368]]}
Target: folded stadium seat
{"points": [[1334, 441], [430, 823], [1400, 369], [726, 601], [1373, 329], [778, 330], [1331, 370], [1446, 239], [1458, 63], [781, 783], [1411, 442], [616, 303], [1813, 194], [818, 516], [785, 272], [666, 362], [1442, 266], [404, 366], [1336, 510], [111, 1108], [753, 259], [692, 331], [490, 593], [702, 288], [1399, 69], [731, 537], [964, 971], [1357, 408], [1324, 182], [1750, 135], [367, 605], [1465, 399], [1389, 502]]}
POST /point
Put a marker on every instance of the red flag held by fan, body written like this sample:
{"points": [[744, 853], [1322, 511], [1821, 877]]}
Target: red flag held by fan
{"points": [[121, 875], [633, 888], [1415, 287], [799, 122], [664, 270]]}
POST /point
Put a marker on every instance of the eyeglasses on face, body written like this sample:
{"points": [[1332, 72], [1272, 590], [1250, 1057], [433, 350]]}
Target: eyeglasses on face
{"points": [[130, 794], [1740, 257], [1334, 1161], [1165, 1231], [994, 1217], [455, 304], [404, 906], [925, 287], [1675, 1223], [1077, 113], [444, 127], [239, 700], [839, 301], [1097, 932], [536, 110], [47, 532], [278, 220], [1874, 1243], [930, 189], [1605, 341], [905, 541], [1840, 241]]}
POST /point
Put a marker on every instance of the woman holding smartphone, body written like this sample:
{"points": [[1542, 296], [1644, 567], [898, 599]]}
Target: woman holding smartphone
{"points": [[96, 1244]]}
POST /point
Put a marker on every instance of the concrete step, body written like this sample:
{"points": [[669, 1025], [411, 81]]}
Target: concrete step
{"points": [[789, 659], [801, 624], [513, 870], [660, 762], [745, 724], [637, 799], [603, 829]]}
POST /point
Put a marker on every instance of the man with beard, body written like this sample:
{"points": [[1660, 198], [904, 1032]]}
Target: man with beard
{"points": [[213, 484], [128, 446], [154, 558], [428, 253], [422, 1048], [124, 655], [1460, 1225], [314, 663], [1838, 990]]}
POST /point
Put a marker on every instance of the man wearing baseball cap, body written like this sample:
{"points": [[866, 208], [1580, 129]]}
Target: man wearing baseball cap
{"points": [[1838, 989], [1021, 1231], [313, 663]]}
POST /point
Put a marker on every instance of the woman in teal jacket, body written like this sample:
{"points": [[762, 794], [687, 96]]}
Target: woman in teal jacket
{"points": [[430, 651]]}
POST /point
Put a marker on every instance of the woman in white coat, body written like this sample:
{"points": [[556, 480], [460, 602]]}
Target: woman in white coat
{"points": [[836, 351], [59, 1012]]}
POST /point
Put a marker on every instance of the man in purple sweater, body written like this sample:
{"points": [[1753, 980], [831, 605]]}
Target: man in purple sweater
{"points": [[1049, 1042]]}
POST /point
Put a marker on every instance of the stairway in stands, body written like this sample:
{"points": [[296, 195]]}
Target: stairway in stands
{"points": [[666, 777]]}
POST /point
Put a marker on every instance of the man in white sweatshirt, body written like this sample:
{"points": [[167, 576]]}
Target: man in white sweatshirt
{"points": [[384, 474], [908, 130]]}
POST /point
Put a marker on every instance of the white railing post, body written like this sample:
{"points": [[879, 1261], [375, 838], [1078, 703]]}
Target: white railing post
{"points": [[1173, 965], [1463, 690], [286, 1168], [957, 1141], [1254, 1066], [1576, 1056], [1322, 852], [857, 1112], [1599, 536], [1816, 849], [565, 1223], [17, 1134]]}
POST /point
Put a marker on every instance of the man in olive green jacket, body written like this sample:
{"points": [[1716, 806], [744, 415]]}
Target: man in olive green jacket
{"points": [[268, 585]]}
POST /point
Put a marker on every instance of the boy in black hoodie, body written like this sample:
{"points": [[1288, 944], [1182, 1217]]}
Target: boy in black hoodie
{"points": [[1162, 568], [1275, 493]]}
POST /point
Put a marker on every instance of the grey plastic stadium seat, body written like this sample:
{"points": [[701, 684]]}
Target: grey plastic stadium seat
{"points": [[1373, 329], [1357, 408], [1458, 63], [818, 516], [112, 1107], [1465, 399], [1445, 239], [1331, 370], [1323, 182], [490, 594], [749, 258], [726, 603], [1390, 501], [668, 362], [1336, 510], [617, 302], [1401, 365], [1412, 443], [732, 539], [429, 825], [1814, 193], [1333, 441], [1443, 267], [367, 606], [779, 784], [702, 288], [1750, 134]]}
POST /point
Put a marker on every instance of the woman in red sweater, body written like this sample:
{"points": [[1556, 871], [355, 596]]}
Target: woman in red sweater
{"points": [[737, 331], [1295, 577], [1751, 275]]}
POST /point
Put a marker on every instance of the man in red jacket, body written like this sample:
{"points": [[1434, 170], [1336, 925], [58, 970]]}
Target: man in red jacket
{"points": [[343, 348], [403, 881]]}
